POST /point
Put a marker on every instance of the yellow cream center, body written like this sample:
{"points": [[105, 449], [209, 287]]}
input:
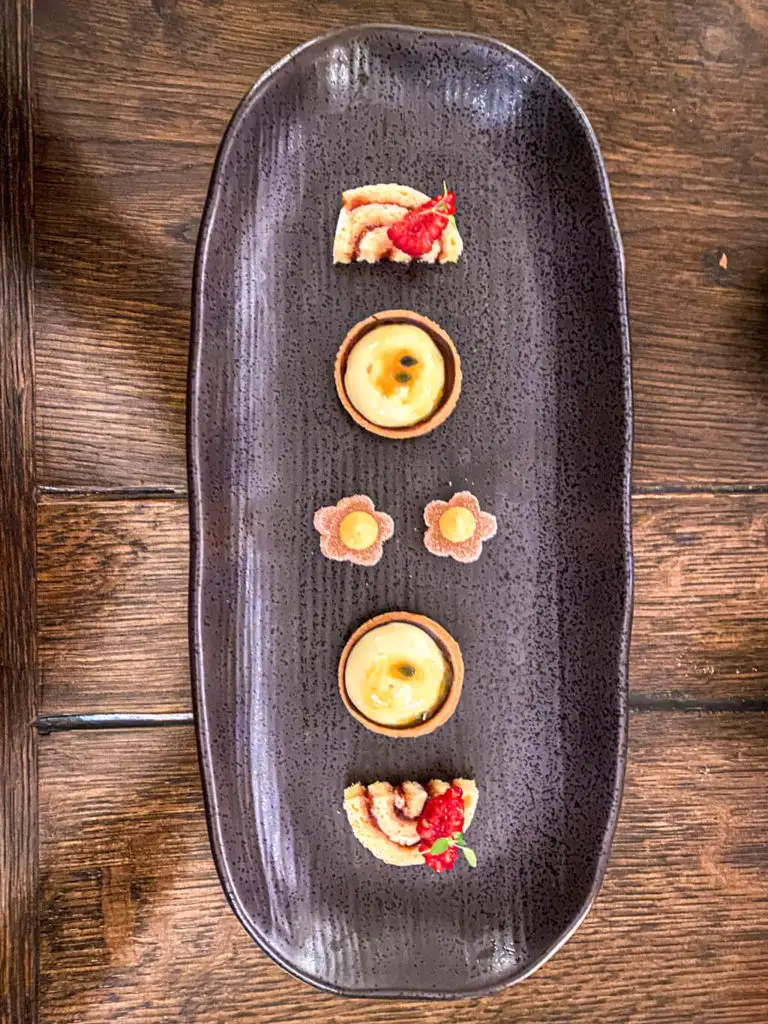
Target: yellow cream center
{"points": [[397, 675], [395, 375], [358, 530], [457, 524]]}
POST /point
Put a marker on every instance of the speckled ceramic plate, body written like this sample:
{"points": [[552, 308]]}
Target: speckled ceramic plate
{"points": [[541, 434]]}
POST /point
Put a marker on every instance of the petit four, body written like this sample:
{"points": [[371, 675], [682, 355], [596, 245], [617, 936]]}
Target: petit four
{"points": [[397, 223], [411, 824], [401, 674], [353, 531], [458, 527]]}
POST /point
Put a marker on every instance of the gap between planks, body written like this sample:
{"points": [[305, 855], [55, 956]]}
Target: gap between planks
{"points": [[47, 724], [55, 494], [52, 495]]}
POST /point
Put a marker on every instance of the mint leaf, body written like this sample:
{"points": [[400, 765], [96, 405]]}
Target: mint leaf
{"points": [[459, 839], [440, 845], [470, 855]]}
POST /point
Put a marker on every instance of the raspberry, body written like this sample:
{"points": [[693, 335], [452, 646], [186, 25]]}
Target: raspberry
{"points": [[441, 861], [420, 228], [442, 817]]}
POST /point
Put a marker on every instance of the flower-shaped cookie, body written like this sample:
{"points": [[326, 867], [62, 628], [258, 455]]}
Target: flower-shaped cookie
{"points": [[353, 531], [458, 527]]}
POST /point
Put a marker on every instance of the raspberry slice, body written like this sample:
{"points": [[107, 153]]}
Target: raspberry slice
{"points": [[419, 229]]}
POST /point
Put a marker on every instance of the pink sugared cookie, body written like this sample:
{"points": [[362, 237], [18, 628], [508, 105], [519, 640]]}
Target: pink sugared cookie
{"points": [[457, 528], [353, 531]]}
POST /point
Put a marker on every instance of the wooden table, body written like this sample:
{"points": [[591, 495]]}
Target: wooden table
{"points": [[109, 905]]}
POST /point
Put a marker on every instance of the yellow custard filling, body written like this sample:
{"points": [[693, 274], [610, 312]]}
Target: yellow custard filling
{"points": [[457, 524], [397, 675], [358, 530], [395, 375]]}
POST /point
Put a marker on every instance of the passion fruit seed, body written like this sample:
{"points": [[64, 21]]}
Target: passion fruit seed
{"points": [[406, 670], [358, 530], [457, 524], [408, 361], [402, 378]]}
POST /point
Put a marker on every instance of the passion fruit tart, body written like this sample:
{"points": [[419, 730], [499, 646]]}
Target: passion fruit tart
{"points": [[398, 374], [401, 674]]}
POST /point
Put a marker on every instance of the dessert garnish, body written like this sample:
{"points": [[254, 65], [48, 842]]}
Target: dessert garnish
{"points": [[367, 214], [421, 227], [410, 824], [353, 531], [441, 830], [458, 527], [397, 675]]}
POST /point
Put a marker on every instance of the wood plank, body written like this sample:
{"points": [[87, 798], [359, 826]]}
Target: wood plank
{"points": [[113, 606], [18, 682], [113, 592], [701, 596], [132, 104], [135, 926]]}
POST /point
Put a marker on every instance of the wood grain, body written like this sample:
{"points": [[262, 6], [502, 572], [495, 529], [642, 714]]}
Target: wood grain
{"points": [[113, 590], [135, 926], [112, 600], [133, 101], [701, 596], [18, 746]]}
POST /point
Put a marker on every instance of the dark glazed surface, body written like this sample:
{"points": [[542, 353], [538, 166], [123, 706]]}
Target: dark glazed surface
{"points": [[541, 435]]}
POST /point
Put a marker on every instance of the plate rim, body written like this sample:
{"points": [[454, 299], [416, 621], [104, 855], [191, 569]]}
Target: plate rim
{"points": [[202, 730]]}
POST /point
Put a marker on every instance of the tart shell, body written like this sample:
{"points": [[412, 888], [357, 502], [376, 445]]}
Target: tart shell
{"points": [[447, 351], [450, 650]]}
